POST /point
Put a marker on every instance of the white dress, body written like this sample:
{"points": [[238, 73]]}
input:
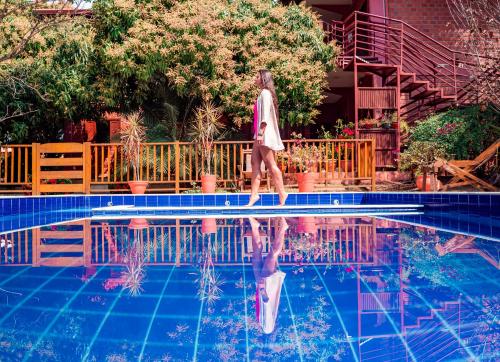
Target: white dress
{"points": [[267, 114]]}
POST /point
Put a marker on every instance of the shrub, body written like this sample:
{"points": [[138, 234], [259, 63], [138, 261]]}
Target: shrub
{"points": [[463, 133]]}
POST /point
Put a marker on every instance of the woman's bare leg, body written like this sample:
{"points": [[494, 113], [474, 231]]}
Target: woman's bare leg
{"points": [[256, 177], [268, 157]]}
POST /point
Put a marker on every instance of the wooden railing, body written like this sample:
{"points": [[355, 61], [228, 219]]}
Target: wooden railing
{"points": [[169, 166], [331, 241]]}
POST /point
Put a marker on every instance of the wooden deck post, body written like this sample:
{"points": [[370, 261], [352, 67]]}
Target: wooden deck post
{"points": [[177, 166], [87, 167], [35, 169], [374, 164]]}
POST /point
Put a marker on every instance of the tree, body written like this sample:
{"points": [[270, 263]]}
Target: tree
{"points": [[210, 50], [20, 27], [481, 21], [49, 83]]}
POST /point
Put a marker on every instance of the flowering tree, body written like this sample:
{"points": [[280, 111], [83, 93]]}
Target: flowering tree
{"points": [[210, 50]]}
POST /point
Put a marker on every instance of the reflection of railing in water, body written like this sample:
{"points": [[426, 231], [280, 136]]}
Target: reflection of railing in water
{"points": [[15, 248], [181, 244], [332, 241]]}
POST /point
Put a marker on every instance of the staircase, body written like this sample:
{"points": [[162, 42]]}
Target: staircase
{"points": [[430, 338], [404, 71], [429, 75]]}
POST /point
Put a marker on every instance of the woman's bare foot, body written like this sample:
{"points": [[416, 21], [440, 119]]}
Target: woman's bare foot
{"points": [[253, 222], [283, 224], [283, 199], [253, 200]]}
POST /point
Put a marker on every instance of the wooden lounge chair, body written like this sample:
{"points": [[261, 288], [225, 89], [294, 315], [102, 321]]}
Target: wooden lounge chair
{"points": [[462, 170], [462, 244], [246, 170]]}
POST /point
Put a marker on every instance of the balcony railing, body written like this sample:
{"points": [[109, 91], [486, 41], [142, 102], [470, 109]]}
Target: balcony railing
{"points": [[168, 166], [368, 38]]}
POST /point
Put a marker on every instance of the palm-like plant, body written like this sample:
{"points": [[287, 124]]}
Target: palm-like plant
{"points": [[133, 133], [134, 261], [205, 129], [209, 281]]}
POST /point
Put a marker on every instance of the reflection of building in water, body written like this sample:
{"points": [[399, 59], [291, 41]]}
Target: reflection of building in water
{"points": [[393, 317]]}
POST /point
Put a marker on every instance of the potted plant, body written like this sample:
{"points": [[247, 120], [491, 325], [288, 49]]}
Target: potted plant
{"points": [[327, 150], [205, 129], [369, 123], [388, 120], [305, 159], [420, 157], [133, 133], [282, 158]]}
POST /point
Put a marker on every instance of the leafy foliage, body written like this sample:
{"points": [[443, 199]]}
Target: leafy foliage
{"points": [[49, 84], [209, 50], [420, 156], [462, 133]]}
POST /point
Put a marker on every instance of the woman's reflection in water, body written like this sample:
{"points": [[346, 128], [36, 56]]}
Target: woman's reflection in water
{"points": [[268, 277]]}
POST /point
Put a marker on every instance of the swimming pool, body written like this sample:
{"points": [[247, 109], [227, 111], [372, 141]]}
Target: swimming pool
{"points": [[390, 287]]}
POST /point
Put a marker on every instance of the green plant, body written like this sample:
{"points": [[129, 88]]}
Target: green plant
{"points": [[325, 134], [132, 135], [462, 132], [343, 129], [303, 155], [388, 119], [420, 156], [206, 127]]}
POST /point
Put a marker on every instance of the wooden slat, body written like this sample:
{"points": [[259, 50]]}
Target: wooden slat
{"points": [[61, 188], [61, 234], [66, 147], [70, 161], [61, 174], [62, 261], [61, 248]]}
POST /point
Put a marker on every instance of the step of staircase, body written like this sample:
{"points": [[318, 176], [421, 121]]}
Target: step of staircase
{"points": [[403, 78], [411, 86]]}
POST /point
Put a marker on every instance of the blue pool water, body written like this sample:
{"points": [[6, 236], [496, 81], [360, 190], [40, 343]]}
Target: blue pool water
{"points": [[339, 288]]}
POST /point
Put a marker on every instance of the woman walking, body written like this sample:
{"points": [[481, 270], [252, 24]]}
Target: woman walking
{"points": [[266, 137]]}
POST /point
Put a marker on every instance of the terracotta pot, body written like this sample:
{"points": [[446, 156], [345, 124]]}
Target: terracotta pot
{"points": [[343, 165], [420, 183], [306, 181], [138, 223], [209, 226], [138, 187], [307, 224], [208, 183]]}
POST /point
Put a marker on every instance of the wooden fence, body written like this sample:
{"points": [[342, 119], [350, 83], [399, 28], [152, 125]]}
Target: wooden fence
{"points": [[168, 166], [331, 241]]}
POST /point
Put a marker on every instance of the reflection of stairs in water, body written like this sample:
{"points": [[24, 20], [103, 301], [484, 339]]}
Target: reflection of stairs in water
{"points": [[430, 338], [61, 245]]}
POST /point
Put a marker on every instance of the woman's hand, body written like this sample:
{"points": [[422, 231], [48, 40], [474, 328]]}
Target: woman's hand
{"points": [[260, 139]]}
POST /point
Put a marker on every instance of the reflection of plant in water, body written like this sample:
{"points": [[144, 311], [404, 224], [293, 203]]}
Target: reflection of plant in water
{"points": [[134, 262], [424, 262], [209, 281], [486, 332]]}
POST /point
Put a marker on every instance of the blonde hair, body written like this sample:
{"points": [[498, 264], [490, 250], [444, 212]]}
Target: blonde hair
{"points": [[266, 79]]}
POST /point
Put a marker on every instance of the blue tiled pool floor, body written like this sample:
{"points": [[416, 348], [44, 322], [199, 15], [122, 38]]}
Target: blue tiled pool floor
{"points": [[350, 289]]}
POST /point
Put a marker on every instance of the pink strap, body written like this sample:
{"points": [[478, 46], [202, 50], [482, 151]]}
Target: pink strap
{"points": [[255, 118]]}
